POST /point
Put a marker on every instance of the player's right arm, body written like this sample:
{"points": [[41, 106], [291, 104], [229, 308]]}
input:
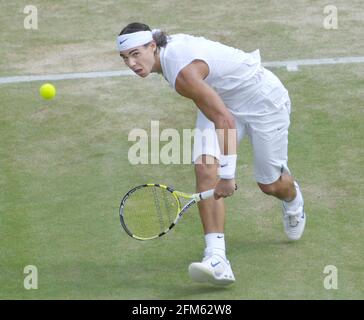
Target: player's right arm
{"points": [[190, 84]]}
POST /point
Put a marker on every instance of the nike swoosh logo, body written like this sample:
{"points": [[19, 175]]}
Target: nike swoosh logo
{"points": [[122, 41], [223, 165], [214, 264], [219, 237]]}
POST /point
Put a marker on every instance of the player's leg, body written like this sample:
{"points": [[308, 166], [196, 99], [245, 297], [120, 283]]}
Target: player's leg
{"points": [[283, 188], [206, 153], [294, 216], [212, 212], [270, 146], [214, 268]]}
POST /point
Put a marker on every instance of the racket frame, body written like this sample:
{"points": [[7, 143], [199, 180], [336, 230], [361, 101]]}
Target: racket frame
{"points": [[196, 197]]}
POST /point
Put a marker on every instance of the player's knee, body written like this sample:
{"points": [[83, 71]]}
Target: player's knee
{"points": [[206, 169], [269, 189]]}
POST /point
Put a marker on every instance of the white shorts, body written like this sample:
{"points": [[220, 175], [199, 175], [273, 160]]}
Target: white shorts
{"points": [[266, 128]]}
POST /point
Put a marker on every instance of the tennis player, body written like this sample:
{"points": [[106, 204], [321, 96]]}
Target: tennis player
{"points": [[236, 97]]}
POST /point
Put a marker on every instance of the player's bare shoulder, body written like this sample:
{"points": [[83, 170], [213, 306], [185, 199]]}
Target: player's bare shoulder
{"points": [[190, 77]]}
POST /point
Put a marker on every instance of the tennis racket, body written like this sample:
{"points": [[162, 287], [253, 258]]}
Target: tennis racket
{"points": [[151, 210]]}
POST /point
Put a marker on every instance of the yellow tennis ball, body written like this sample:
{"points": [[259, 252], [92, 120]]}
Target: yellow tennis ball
{"points": [[47, 91]]}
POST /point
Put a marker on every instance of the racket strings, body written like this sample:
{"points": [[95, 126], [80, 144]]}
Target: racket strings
{"points": [[168, 207], [149, 211], [158, 209]]}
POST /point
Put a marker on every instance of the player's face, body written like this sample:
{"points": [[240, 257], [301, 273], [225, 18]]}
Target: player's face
{"points": [[140, 59]]}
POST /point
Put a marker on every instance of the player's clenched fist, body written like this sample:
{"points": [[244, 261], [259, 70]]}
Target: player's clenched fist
{"points": [[224, 188]]}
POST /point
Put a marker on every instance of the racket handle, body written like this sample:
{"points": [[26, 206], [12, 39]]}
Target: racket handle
{"points": [[207, 194], [210, 193]]}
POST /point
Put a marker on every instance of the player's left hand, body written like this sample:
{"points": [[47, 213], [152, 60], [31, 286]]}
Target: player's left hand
{"points": [[224, 188]]}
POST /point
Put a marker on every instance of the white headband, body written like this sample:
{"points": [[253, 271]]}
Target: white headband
{"points": [[135, 39]]}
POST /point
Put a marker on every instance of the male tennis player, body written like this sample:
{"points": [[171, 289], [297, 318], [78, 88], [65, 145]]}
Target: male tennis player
{"points": [[235, 94]]}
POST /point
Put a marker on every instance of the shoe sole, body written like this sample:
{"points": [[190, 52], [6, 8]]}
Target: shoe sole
{"points": [[201, 274]]}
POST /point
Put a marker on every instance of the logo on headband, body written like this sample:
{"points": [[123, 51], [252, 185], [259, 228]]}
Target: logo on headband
{"points": [[121, 42]]}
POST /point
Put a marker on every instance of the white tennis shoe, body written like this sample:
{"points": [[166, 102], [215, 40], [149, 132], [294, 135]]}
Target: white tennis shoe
{"points": [[294, 221], [213, 269]]}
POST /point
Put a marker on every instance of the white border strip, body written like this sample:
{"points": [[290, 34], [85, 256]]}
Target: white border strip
{"points": [[291, 65]]}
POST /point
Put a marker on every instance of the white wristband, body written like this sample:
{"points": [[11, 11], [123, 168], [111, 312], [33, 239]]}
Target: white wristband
{"points": [[227, 166]]}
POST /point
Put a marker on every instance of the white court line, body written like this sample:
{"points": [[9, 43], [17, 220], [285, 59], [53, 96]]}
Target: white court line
{"points": [[64, 76], [291, 65], [314, 62]]}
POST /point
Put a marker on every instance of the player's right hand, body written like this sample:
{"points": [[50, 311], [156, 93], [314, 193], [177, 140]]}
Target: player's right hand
{"points": [[224, 188]]}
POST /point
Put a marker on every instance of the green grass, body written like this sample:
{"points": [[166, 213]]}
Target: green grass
{"points": [[80, 36], [64, 164]]}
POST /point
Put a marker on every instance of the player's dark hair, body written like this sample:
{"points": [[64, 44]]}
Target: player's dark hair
{"points": [[160, 37]]}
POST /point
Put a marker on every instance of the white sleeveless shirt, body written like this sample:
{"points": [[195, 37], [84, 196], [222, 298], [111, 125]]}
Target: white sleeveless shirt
{"points": [[234, 74]]}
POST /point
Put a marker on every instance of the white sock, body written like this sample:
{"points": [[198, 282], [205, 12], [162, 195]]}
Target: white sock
{"points": [[215, 244], [294, 204]]}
